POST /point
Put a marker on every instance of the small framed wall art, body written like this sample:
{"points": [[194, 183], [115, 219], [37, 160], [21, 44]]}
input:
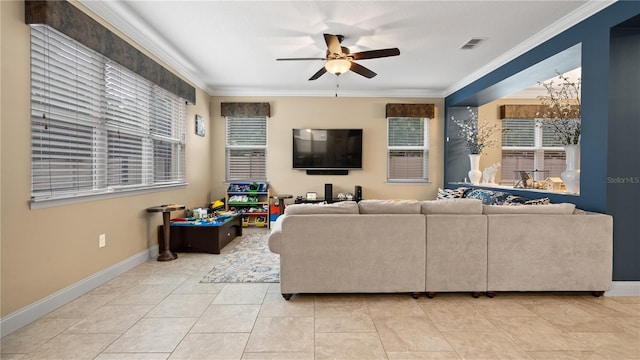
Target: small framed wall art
{"points": [[199, 125]]}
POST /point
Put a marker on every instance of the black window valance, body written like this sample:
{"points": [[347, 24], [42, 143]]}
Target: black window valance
{"points": [[410, 110], [71, 21], [245, 109]]}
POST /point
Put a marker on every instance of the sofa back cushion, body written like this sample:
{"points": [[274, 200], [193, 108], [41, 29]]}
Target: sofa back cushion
{"points": [[554, 209], [452, 206], [389, 206], [343, 207]]}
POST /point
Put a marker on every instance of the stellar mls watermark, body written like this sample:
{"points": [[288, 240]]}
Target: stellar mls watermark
{"points": [[623, 180]]}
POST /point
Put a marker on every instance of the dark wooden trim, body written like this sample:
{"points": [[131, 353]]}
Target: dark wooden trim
{"points": [[245, 109], [526, 111], [71, 21], [522, 111], [410, 110]]}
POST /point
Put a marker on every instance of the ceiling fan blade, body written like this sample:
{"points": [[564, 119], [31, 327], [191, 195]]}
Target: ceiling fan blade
{"points": [[359, 69], [297, 59], [318, 74], [333, 44], [372, 54]]}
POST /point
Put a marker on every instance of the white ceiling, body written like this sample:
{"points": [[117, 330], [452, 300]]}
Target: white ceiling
{"points": [[230, 47]]}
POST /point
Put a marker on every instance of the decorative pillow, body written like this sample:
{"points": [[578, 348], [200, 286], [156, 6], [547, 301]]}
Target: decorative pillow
{"points": [[451, 193], [519, 200], [541, 201], [389, 206], [452, 206], [555, 209], [342, 207], [488, 197]]}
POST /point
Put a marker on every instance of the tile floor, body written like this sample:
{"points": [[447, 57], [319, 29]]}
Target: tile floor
{"points": [[162, 311]]}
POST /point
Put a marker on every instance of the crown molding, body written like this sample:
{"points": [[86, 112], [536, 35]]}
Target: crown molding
{"points": [[587, 10], [406, 93], [143, 36], [148, 39]]}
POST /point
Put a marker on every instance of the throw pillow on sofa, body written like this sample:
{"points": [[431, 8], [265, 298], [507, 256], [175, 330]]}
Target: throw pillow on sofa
{"points": [[488, 197], [519, 200], [451, 193]]}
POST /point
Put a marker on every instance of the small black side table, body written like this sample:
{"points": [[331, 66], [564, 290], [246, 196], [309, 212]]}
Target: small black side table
{"points": [[281, 198], [166, 210]]}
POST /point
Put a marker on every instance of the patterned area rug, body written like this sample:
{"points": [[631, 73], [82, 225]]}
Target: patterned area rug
{"points": [[250, 261]]}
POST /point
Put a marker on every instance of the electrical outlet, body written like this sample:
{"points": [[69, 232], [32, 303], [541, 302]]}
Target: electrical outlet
{"points": [[102, 240]]}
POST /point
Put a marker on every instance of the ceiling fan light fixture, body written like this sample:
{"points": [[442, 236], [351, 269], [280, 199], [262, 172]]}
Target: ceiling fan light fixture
{"points": [[337, 66]]}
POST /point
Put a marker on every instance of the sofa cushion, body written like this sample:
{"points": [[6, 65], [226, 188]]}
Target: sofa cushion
{"points": [[389, 206], [555, 209], [452, 206], [343, 207]]}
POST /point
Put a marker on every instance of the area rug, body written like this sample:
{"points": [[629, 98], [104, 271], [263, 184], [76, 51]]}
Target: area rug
{"points": [[249, 261]]}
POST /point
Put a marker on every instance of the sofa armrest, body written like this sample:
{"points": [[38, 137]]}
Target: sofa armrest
{"points": [[550, 252], [275, 235]]}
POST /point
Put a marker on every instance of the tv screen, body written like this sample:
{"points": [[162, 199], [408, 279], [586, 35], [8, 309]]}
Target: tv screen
{"points": [[327, 148]]}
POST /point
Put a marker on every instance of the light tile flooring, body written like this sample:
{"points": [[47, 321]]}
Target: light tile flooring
{"points": [[162, 311]]}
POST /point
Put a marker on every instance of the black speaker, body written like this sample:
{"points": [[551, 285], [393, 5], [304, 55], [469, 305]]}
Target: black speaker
{"points": [[328, 192], [357, 194]]}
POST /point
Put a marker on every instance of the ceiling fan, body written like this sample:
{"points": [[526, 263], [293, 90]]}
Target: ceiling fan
{"points": [[340, 60]]}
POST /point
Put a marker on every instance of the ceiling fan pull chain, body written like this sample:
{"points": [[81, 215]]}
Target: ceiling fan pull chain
{"points": [[337, 84]]}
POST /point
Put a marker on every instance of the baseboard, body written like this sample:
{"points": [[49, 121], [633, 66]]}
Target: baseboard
{"points": [[624, 288], [40, 308]]}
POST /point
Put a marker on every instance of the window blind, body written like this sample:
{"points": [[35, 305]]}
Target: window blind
{"points": [[530, 144], [515, 160], [518, 132], [246, 148], [407, 149], [94, 124]]}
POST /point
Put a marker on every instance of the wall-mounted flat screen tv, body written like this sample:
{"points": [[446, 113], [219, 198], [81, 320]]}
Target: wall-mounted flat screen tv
{"points": [[327, 149]]}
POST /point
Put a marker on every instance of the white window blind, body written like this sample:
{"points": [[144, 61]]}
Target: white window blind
{"points": [[527, 145], [246, 148], [94, 124], [407, 149]]}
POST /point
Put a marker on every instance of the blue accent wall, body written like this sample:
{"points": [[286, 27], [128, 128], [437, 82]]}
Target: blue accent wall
{"points": [[596, 36], [623, 151]]}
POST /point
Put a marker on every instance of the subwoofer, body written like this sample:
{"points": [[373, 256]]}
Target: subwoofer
{"points": [[357, 194], [328, 192]]}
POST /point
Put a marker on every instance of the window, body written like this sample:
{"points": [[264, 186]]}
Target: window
{"points": [[529, 144], [407, 149], [246, 148], [96, 127]]}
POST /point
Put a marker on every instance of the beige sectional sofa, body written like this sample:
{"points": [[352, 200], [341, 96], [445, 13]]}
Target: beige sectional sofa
{"points": [[453, 245]]}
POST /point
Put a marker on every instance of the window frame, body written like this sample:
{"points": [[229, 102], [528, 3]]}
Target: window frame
{"points": [[424, 149], [260, 146]]}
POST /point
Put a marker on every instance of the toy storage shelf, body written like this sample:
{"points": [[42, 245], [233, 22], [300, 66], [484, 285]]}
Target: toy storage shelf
{"points": [[251, 201]]}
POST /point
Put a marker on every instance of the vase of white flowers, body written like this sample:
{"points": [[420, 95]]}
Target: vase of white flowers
{"points": [[477, 137], [563, 116]]}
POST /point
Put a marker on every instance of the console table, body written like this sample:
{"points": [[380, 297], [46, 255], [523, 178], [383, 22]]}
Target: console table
{"points": [[202, 236]]}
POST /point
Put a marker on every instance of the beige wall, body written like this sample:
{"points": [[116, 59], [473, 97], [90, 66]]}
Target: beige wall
{"points": [[319, 112], [46, 250]]}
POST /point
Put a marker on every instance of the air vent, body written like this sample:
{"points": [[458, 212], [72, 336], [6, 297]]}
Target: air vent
{"points": [[472, 44]]}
